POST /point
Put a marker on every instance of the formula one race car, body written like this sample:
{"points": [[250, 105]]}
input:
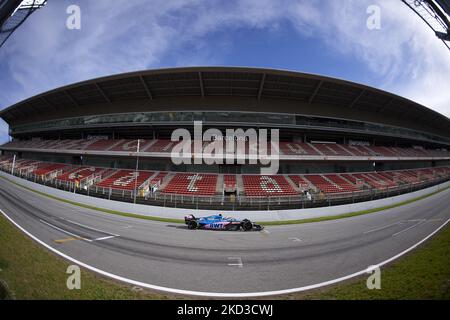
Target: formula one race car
{"points": [[218, 222]]}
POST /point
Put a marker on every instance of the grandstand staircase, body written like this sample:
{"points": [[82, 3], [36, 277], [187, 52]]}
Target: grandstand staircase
{"points": [[239, 185], [166, 180], [331, 182], [114, 145], [376, 182], [347, 180], [369, 150], [108, 172], [317, 150], [292, 184], [389, 151], [347, 150], [331, 150], [149, 145], [219, 184], [299, 150]]}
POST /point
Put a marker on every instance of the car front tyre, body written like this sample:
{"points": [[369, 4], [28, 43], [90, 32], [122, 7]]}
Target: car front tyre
{"points": [[247, 225]]}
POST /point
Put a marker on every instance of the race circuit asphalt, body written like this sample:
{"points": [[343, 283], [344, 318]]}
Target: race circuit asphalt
{"points": [[171, 256]]}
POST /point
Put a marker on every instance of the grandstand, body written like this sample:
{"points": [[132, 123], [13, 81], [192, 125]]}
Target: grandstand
{"points": [[163, 148], [284, 189], [339, 141]]}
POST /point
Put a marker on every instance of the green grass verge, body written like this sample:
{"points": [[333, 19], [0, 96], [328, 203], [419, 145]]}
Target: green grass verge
{"points": [[265, 223], [422, 274], [32, 272]]}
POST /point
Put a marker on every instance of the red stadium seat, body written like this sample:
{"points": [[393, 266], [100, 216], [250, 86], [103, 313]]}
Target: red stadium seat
{"points": [[125, 179], [229, 181], [331, 149], [192, 184], [47, 169], [79, 173], [265, 185], [298, 149], [160, 146], [101, 145], [131, 145]]}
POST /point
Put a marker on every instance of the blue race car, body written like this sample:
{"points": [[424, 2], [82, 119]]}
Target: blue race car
{"points": [[218, 222]]}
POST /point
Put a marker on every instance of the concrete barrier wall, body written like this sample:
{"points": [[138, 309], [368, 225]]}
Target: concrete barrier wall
{"points": [[179, 213]]}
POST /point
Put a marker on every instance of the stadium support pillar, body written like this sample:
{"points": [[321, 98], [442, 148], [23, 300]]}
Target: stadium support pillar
{"points": [[137, 167], [13, 164]]}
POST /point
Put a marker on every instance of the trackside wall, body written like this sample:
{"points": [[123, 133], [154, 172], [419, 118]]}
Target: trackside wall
{"points": [[179, 213]]}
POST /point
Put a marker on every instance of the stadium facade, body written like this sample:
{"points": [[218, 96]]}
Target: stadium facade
{"points": [[339, 141]]}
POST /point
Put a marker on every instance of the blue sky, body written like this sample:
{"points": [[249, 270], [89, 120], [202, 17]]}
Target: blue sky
{"points": [[326, 37]]}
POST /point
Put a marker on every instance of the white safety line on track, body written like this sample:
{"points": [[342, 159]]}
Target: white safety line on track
{"points": [[222, 294], [64, 231], [419, 221], [87, 227], [383, 227], [104, 238], [80, 237], [238, 264], [409, 228]]}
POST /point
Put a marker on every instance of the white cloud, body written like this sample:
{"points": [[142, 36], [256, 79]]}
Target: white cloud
{"points": [[4, 136], [3, 128], [124, 35], [406, 55]]}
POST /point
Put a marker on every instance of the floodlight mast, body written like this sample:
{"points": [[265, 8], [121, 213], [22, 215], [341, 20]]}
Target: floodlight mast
{"points": [[443, 36], [7, 9], [435, 17], [13, 13]]}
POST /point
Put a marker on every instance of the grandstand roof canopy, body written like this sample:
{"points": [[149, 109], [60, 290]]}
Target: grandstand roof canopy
{"points": [[203, 82]]}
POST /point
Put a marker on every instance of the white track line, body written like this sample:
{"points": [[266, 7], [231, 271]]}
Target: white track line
{"points": [[62, 230], [239, 263], [383, 227], [218, 294], [409, 228], [87, 227], [104, 238]]}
